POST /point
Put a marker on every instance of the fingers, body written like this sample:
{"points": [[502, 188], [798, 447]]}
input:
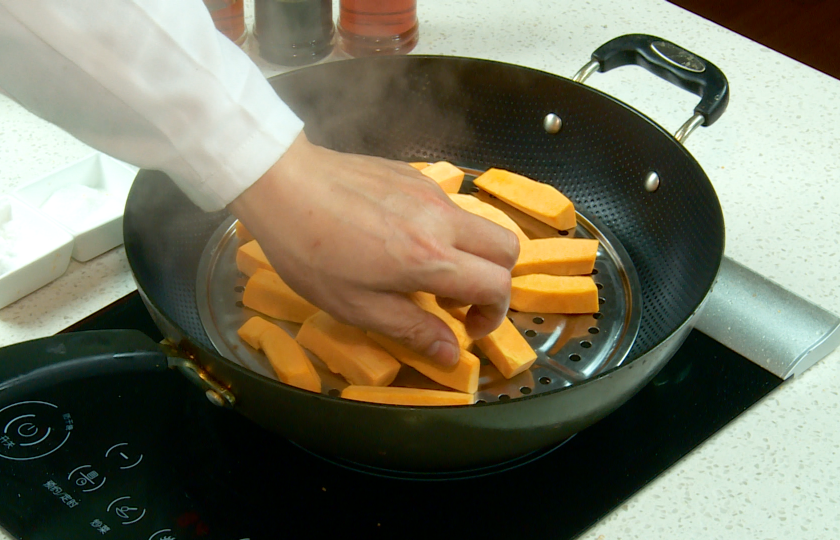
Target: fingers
{"points": [[476, 272], [486, 287], [481, 320], [470, 280], [449, 303], [483, 238], [397, 317]]}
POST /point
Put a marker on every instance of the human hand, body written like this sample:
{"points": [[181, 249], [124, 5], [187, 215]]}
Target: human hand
{"points": [[355, 234]]}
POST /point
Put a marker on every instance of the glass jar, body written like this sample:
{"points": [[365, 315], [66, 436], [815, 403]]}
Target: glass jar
{"points": [[371, 27], [294, 32]]}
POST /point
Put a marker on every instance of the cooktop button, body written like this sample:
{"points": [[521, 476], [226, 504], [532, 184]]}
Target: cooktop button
{"points": [[127, 511], [32, 429], [87, 478], [124, 456]]}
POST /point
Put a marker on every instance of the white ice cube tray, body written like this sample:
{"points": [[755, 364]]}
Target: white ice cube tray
{"points": [[87, 199], [33, 250]]}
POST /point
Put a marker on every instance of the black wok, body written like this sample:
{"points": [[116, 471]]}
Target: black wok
{"points": [[477, 114]]}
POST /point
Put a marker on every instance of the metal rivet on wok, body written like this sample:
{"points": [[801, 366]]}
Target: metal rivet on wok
{"points": [[215, 398], [652, 181], [552, 123]]}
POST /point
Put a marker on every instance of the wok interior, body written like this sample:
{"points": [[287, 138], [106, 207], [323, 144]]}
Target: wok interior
{"points": [[476, 114]]}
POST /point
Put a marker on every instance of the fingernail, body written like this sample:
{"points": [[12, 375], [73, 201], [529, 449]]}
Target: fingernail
{"points": [[443, 353]]}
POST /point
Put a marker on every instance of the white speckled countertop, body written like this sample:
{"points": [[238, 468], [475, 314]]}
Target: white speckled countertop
{"points": [[773, 158]]}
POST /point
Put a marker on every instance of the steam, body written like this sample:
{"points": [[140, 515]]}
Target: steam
{"points": [[395, 107]]}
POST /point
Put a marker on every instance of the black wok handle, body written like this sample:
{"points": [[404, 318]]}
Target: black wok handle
{"points": [[671, 63], [37, 364]]}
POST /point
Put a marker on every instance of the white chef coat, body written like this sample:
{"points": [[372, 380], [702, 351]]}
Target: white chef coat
{"points": [[150, 82]]}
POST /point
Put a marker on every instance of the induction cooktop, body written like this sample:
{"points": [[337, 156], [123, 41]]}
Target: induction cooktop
{"points": [[147, 457]]}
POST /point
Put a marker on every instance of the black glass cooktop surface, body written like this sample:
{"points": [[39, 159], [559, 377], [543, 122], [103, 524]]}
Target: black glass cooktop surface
{"points": [[147, 457]]}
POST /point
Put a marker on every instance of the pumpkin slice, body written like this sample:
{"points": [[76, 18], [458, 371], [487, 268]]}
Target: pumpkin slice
{"points": [[428, 302], [557, 257], [447, 176], [242, 233], [393, 395], [480, 208], [459, 312], [507, 349], [287, 358], [249, 257], [347, 350], [541, 293], [463, 376], [267, 293], [532, 227], [252, 331], [419, 165], [536, 199]]}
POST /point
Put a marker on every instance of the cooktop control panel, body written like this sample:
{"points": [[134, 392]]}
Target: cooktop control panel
{"points": [[102, 459]]}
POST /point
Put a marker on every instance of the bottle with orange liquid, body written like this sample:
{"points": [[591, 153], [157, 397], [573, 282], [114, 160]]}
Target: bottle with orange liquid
{"points": [[373, 27], [229, 18]]}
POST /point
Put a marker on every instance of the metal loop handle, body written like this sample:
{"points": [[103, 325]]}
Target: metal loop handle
{"points": [[671, 63]]}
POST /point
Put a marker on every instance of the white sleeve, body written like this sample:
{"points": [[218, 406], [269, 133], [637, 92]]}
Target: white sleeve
{"points": [[150, 82]]}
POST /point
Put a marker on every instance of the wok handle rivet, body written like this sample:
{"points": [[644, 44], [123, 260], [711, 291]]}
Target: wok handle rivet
{"points": [[552, 123], [652, 181], [215, 398]]}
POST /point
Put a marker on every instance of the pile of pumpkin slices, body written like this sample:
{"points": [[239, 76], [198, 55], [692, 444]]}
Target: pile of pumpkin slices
{"points": [[552, 275]]}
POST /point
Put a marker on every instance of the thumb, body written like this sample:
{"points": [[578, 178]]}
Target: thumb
{"points": [[396, 316]]}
